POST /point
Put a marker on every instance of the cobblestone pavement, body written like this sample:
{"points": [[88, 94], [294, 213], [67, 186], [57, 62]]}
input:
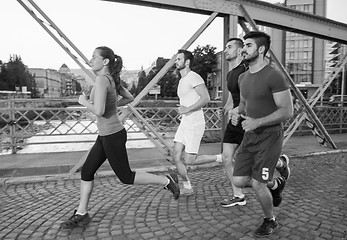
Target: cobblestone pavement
{"points": [[314, 207]]}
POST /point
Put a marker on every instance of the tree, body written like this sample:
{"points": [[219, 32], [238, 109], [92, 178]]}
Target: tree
{"points": [[168, 83], [133, 89], [205, 60], [15, 74], [142, 82], [78, 87], [34, 91]]}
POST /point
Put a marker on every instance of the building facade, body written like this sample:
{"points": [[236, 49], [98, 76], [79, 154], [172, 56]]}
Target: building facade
{"points": [[48, 82], [68, 82], [304, 54], [304, 57], [335, 53], [51, 83]]}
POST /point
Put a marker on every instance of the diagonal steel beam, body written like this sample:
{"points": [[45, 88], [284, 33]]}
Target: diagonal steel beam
{"points": [[60, 32], [335, 71], [90, 74], [296, 91], [315, 97], [263, 13], [169, 64], [153, 130]]}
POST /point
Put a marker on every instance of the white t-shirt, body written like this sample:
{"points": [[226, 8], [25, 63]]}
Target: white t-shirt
{"points": [[188, 96]]}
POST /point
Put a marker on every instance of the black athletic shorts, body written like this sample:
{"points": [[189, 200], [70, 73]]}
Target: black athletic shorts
{"points": [[233, 134], [258, 154]]}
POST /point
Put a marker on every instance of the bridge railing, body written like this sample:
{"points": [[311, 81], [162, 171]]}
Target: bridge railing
{"points": [[26, 122]]}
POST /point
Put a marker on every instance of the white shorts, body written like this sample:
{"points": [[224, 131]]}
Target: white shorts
{"points": [[190, 136]]}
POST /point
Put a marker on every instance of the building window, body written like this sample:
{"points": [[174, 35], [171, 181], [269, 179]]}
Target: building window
{"points": [[305, 78], [300, 67], [296, 44], [290, 66], [296, 66], [310, 9], [291, 55], [292, 44], [310, 43], [306, 8], [305, 55], [300, 55], [309, 55], [309, 66]]}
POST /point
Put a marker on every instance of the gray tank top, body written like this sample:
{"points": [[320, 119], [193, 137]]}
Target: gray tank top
{"points": [[109, 122]]}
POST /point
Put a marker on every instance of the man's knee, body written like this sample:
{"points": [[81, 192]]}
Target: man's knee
{"points": [[258, 186], [240, 181], [177, 155], [227, 160], [189, 159]]}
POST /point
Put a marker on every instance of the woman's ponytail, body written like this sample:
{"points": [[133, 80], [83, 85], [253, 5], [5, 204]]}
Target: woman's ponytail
{"points": [[115, 70], [115, 65]]}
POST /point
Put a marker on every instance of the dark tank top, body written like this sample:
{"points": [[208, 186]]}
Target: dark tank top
{"points": [[232, 82]]}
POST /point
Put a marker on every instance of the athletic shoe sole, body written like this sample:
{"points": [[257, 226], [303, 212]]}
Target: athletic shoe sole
{"points": [[274, 230], [185, 193], [243, 203]]}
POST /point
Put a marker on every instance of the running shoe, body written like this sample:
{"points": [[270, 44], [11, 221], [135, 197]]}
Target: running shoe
{"points": [[267, 228], [277, 193], [187, 191], [219, 158], [76, 220], [173, 185], [233, 202], [284, 170]]}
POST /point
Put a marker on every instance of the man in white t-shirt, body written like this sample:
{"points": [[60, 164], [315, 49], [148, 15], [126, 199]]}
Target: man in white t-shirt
{"points": [[193, 95]]}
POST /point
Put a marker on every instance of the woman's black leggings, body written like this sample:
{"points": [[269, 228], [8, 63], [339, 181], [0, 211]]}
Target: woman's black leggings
{"points": [[111, 147]]}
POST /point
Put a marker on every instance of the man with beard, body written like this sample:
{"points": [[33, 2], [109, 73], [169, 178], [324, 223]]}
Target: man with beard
{"points": [[233, 135], [193, 95], [265, 102]]}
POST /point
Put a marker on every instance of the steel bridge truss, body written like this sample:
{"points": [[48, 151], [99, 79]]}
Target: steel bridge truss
{"points": [[234, 12]]}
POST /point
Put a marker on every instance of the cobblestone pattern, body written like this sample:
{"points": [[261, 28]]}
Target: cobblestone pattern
{"points": [[314, 207]]}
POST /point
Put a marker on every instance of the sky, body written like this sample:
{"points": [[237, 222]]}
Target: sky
{"points": [[138, 34]]}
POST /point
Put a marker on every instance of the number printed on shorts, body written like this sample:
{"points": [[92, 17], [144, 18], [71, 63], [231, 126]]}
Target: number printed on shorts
{"points": [[265, 174]]}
